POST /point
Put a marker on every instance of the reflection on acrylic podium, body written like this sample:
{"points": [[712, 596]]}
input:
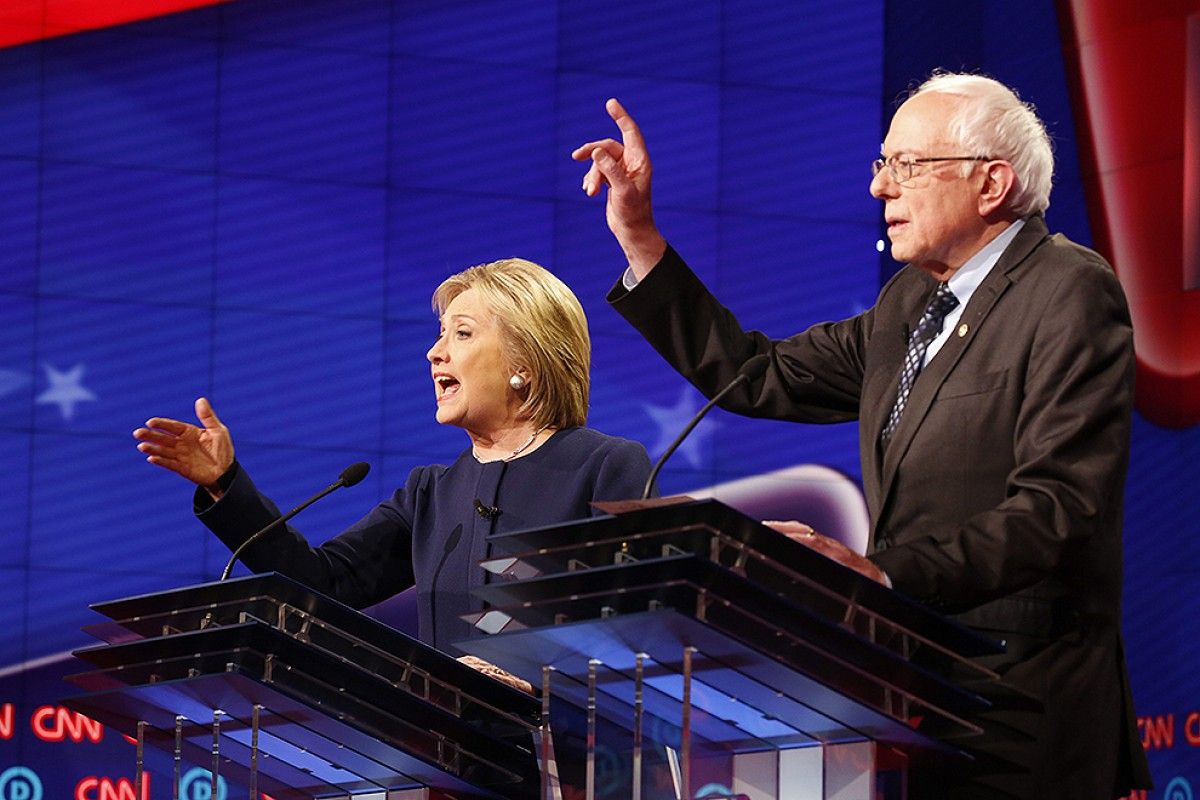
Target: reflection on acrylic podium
{"points": [[680, 651], [767, 670], [286, 692]]}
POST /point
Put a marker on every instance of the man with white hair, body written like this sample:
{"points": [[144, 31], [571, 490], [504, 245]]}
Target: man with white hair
{"points": [[993, 384]]}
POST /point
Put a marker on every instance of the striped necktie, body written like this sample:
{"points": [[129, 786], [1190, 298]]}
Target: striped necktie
{"points": [[942, 303]]}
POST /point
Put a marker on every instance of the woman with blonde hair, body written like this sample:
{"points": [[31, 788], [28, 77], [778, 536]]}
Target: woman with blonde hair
{"points": [[510, 366]]}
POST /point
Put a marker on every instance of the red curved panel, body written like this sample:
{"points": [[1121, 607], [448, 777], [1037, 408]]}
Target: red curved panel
{"points": [[1137, 99]]}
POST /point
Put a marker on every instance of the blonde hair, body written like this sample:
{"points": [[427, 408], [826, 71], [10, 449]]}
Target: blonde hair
{"points": [[994, 122], [544, 330]]}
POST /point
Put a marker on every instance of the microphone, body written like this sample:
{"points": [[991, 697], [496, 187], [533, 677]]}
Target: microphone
{"points": [[750, 371], [447, 548], [350, 476]]}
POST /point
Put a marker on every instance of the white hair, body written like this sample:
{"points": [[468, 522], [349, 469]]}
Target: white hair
{"points": [[993, 121]]}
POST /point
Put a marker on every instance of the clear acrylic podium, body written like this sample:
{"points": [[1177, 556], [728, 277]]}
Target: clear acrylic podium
{"points": [[289, 693], [766, 668], [705, 654]]}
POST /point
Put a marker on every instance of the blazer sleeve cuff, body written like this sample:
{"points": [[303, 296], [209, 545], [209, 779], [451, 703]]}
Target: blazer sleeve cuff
{"points": [[628, 284]]}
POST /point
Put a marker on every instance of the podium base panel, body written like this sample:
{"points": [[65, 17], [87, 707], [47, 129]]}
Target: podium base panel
{"points": [[744, 700], [302, 752], [850, 771]]}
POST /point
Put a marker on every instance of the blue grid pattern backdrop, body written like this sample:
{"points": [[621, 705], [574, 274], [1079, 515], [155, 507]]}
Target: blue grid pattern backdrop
{"points": [[254, 201]]}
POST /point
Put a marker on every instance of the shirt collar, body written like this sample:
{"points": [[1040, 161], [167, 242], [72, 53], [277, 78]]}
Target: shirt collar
{"points": [[966, 279]]}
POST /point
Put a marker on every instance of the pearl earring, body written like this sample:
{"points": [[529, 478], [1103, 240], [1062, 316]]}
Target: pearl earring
{"points": [[517, 383]]}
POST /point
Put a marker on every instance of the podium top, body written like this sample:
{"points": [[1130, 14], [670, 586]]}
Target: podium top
{"points": [[787, 646], [711, 528], [271, 597]]}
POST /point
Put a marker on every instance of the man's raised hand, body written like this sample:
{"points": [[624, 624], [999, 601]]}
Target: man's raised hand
{"points": [[625, 167]]}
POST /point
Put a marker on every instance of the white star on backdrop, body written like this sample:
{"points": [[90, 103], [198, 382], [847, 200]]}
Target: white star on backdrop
{"points": [[66, 389], [672, 420]]}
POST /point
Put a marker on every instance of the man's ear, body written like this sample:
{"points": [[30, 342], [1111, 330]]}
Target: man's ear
{"points": [[999, 181]]}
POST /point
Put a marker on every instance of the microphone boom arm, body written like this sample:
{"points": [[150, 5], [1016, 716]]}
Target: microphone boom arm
{"points": [[649, 487], [350, 476], [749, 372]]}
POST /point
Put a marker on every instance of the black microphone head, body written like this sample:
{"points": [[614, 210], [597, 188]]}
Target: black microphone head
{"points": [[754, 367], [354, 473]]}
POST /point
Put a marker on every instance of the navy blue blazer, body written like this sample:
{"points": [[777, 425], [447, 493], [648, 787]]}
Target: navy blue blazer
{"points": [[406, 539]]}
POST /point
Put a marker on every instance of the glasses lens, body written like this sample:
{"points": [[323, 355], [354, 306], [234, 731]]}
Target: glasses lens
{"points": [[900, 171]]}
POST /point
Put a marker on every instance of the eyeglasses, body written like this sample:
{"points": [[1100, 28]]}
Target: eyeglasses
{"points": [[903, 170]]}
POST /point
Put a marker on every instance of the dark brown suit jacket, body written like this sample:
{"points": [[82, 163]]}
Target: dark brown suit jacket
{"points": [[999, 497]]}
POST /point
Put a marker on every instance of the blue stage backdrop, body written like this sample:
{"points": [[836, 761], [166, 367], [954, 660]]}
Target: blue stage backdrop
{"points": [[254, 201]]}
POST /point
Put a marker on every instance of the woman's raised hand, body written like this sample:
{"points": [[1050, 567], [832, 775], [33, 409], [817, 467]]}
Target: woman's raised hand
{"points": [[200, 454]]}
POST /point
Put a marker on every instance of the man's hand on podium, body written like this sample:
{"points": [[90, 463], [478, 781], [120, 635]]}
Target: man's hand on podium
{"points": [[491, 670], [831, 548]]}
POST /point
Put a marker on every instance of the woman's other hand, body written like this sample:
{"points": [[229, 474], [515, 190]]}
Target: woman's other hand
{"points": [[492, 671]]}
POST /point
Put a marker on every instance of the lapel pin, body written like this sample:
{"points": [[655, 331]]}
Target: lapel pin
{"points": [[962, 330]]}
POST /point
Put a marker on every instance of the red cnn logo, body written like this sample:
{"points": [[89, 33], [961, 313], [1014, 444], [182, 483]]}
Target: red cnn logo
{"points": [[1137, 95], [55, 723], [93, 788], [7, 717]]}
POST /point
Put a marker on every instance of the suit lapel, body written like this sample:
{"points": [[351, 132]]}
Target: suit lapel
{"points": [[880, 394], [983, 300]]}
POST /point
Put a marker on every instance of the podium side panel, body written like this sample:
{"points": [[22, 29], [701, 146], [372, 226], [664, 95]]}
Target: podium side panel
{"points": [[801, 773]]}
